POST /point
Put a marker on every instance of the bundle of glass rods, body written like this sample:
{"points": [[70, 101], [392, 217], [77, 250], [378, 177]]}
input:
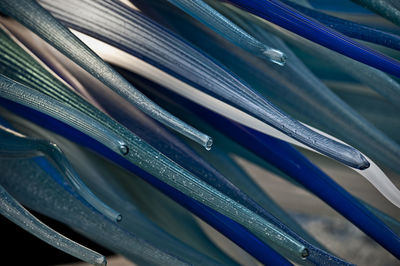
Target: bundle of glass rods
{"points": [[203, 132]]}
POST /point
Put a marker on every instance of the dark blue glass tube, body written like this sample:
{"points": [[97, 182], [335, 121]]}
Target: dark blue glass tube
{"points": [[293, 163], [292, 20], [161, 139], [316, 255], [200, 70], [290, 161], [226, 226], [350, 28]]}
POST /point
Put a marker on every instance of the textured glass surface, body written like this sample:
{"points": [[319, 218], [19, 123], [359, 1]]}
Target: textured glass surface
{"points": [[139, 123], [290, 161], [224, 163], [70, 100], [155, 163], [15, 212], [14, 144], [286, 17], [297, 88], [93, 95], [386, 8], [227, 226], [316, 255], [18, 93], [208, 76], [34, 17], [349, 28], [117, 188], [228, 30], [44, 195], [375, 79], [374, 175]]}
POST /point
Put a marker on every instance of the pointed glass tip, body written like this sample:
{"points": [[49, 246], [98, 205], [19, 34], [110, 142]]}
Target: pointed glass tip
{"points": [[365, 164], [275, 56], [101, 261]]}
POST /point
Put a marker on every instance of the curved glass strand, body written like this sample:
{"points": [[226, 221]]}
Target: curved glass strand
{"points": [[110, 185], [316, 255], [82, 107], [32, 186], [388, 220], [180, 154], [152, 161], [33, 173], [183, 156], [174, 151], [12, 210], [224, 27], [292, 20], [349, 28], [381, 148], [141, 205], [207, 75], [377, 178], [373, 78], [169, 145], [133, 221], [232, 146], [228, 227], [300, 93], [388, 9], [16, 92], [15, 144], [36, 18], [290, 161], [371, 106], [373, 174], [32, 76], [146, 129], [392, 223], [228, 167]]}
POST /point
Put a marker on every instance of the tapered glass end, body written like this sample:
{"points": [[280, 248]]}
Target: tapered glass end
{"points": [[208, 143], [365, 164], [101, 261], [275, 56]]}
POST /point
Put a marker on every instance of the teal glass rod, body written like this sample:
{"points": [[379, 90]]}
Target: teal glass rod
{"points": [[152, 161], [230, 31], [33, 16], [15, 212]]}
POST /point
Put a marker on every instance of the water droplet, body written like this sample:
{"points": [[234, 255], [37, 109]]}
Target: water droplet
{"points": [[305, 253], [124, 149]]}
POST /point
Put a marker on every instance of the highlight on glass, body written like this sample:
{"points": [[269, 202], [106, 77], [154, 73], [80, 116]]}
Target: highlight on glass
{"points": [[295, 103]]}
